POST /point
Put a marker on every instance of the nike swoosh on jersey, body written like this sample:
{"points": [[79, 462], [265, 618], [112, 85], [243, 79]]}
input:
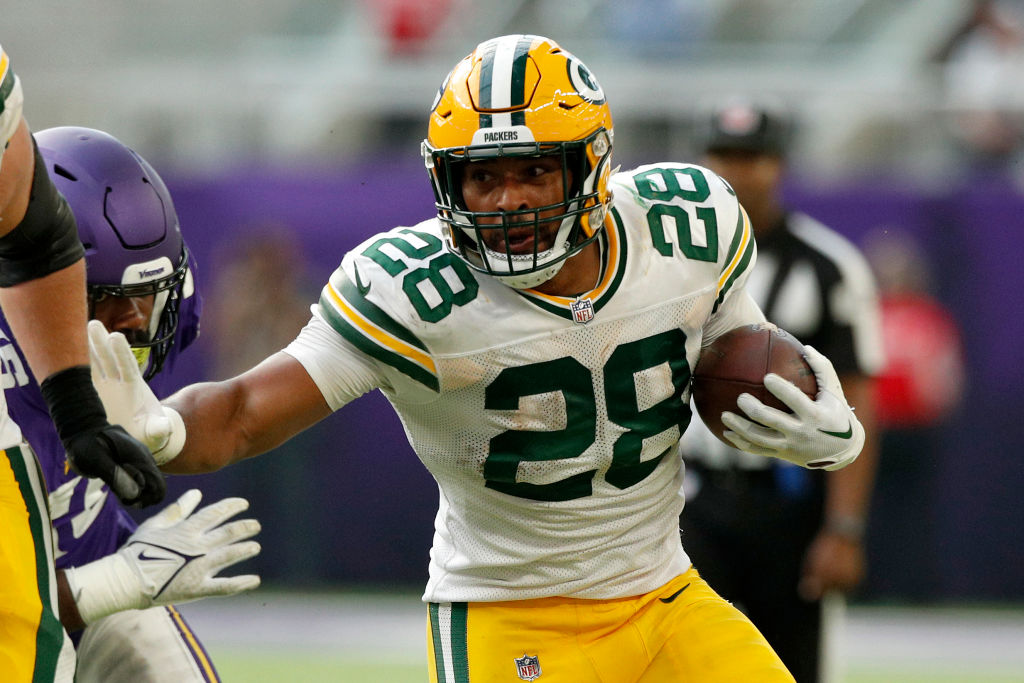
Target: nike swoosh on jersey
{"points": [[841, 435], [674, 595], [363, 289]]}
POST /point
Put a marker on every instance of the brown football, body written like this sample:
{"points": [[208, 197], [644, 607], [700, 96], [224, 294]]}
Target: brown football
{"points": [[737, 362]]}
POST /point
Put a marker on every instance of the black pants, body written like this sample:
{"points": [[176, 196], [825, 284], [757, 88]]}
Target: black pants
{"points": [[748, 538]]}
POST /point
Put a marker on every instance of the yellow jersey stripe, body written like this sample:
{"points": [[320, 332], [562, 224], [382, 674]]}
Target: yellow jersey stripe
{"points": [[193, 644], [380, 336], [738, 256]]}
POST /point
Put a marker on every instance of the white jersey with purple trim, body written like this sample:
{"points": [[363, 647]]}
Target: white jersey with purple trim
{"points": [[549, 423], [11, 100]]}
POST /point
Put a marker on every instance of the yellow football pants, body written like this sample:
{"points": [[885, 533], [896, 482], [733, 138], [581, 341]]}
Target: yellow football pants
{"points": [[33, 645], [683, 632]]}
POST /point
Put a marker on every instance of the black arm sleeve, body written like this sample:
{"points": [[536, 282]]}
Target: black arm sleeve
{"points": [[46, 240]]}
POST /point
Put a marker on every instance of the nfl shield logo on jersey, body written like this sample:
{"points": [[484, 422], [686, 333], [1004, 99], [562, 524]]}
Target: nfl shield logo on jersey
{"points": [[528, 667], [582, 311]]}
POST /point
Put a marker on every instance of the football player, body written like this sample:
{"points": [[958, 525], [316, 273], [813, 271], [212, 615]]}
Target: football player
{"points": [[42, 292], [139, 283], [536, 336]]}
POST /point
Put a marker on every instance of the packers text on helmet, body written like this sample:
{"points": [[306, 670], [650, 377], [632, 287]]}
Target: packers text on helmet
{"points": [[521, 96]]}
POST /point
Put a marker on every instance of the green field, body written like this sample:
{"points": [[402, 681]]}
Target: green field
{"points": [[303, 667], [248, 667]]}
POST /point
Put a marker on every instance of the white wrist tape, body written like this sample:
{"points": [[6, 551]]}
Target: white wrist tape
{"points": [[105, 586], [175, 437]]}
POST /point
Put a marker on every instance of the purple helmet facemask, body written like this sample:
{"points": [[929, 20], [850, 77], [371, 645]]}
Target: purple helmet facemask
{"points": [[128, 225]]}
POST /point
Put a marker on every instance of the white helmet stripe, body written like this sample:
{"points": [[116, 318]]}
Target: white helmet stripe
{"points": [[503, 80]]}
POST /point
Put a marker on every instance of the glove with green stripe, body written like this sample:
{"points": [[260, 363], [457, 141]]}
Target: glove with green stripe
{"points": [[820, 434]]}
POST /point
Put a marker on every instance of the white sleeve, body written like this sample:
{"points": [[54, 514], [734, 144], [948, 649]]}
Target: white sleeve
{"points": [[737, 309], [339, 370]]}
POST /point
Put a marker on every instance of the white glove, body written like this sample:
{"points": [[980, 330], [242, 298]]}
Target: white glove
{"points": [[820, 434], [173, 557], [127, 398]]}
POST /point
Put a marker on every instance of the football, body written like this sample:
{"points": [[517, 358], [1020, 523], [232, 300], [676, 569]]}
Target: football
{"points": [[737, 362]]}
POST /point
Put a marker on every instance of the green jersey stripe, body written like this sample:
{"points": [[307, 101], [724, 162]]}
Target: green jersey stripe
{"points": [[741, 267], [50, 636], [435, 637], [373, 349], [374, 313], [737, 239], [620, 267]]}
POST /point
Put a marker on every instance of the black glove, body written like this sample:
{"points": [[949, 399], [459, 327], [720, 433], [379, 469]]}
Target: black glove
{"points": [[96, 448]]}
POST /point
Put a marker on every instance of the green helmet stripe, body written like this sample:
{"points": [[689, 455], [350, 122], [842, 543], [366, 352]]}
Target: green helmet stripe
{"points": [[487, 76], [517, 91], [503, 80]]}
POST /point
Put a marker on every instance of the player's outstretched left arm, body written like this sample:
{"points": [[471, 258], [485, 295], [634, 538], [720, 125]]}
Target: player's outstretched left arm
{"points": [[173, 557], [820, 434], [208, 425]]}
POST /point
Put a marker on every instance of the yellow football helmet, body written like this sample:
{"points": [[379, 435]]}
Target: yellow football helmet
{"points": [[521, 96]]}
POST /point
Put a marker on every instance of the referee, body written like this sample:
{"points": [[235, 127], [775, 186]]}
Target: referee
{"points": [[771, 537]]}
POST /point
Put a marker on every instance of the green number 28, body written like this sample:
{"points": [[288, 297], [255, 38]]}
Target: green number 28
{"points": [[662, 185], [575, 383], [429, 277]]}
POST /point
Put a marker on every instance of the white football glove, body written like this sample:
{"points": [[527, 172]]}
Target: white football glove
{"points": [[127, 398], [173, 557], [820, 434]]}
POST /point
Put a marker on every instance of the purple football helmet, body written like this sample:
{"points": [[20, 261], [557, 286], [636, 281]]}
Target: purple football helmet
{"points": [[128, 225]]}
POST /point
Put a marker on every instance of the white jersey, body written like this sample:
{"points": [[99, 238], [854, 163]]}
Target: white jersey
{"points": [[549, 423], [11, 100]]}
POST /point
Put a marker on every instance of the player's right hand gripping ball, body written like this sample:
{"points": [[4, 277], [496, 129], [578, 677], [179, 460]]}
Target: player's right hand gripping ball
{"points": [[737, 362]]}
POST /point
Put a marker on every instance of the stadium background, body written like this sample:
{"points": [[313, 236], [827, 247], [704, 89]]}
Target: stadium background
{"points": [[295, 125]]}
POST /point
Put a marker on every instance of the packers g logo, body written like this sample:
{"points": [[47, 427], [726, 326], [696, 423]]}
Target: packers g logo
{"points": [[583, 80]]}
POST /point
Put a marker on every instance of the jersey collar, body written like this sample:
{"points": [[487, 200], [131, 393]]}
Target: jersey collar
{"points": [[614, 267]]}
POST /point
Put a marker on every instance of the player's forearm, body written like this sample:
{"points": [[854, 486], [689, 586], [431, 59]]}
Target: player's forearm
{"points": [[214, 435], [848, 495], [55, 340], [69, 615], [250, 414]]}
